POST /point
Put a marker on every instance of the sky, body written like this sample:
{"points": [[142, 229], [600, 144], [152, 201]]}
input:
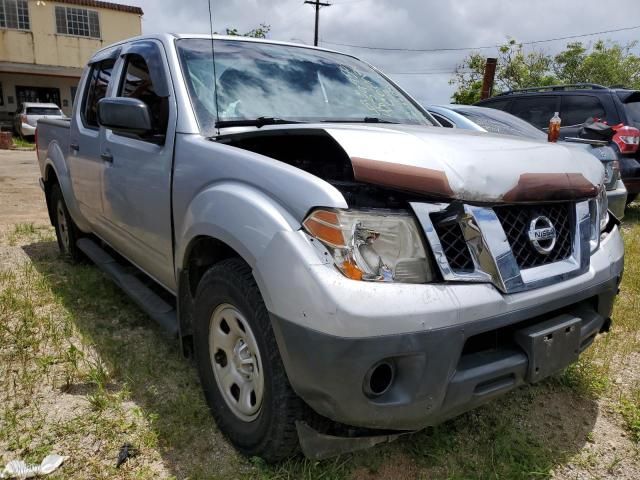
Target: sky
{"points": [[405, 24]]}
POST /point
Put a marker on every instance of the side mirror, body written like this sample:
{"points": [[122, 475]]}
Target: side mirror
{"points": [[124, 115]]}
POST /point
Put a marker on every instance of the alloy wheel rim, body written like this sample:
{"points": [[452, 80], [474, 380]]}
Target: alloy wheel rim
{"points": [[63, 227], [236, 362]]}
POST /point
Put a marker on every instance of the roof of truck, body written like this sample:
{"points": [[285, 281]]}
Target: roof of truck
{"points": [[168, 37]]}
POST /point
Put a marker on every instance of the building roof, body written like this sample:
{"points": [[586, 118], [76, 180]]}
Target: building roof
{"points": [[36, 69], [99, 4]]}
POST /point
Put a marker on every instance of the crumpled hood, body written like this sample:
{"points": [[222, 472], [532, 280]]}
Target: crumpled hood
{"points": [[467, 165]]}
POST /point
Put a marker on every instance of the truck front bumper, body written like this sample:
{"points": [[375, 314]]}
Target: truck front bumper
{"points": [[451, 347]]}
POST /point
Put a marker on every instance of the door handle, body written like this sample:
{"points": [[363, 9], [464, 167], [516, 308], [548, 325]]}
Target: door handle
{"points": [[106, 157], [75, 147]]}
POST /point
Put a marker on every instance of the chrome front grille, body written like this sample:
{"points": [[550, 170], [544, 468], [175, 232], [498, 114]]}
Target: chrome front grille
{"points": [[516, 220], [473, 243]]}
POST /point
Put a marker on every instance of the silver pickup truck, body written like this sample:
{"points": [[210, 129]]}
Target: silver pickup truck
{"points": [[342, 269]]}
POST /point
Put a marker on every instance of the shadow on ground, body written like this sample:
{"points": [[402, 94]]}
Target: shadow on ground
{"points": [[522, 435]]}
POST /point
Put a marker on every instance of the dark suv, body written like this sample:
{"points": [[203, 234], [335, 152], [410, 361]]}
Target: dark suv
{"points": [[577, 103]]}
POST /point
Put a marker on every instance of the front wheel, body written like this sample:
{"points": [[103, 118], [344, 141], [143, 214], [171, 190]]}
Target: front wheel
{"points": [[240, 368]]}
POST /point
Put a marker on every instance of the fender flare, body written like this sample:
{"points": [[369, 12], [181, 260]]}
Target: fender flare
{"points": [[239, 215], [56, 161]]}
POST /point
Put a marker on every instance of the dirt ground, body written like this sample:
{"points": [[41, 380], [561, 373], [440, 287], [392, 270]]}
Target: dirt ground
{"points": [[21, 200], [589, 430]]}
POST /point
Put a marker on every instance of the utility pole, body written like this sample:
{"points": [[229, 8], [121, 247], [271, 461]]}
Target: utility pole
{"points": [[489, 76], [317, 4]]}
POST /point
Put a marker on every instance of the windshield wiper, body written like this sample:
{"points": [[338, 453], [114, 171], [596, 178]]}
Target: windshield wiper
{"points": [[358, 120], [253, 122]]}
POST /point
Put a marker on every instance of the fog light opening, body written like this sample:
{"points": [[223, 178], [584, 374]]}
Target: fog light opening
{"points": [[379, 379]]}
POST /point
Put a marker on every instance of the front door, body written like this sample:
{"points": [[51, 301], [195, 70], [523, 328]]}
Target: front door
{"points": [[137, 178], [84, 143]]}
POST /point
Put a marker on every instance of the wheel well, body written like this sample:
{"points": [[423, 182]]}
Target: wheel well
{"points": [[203, 253], [50, 179]]}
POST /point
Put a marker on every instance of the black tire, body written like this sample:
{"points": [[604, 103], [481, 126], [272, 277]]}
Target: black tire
{"points": [[631, 198], [67, 232], [272, 433]]}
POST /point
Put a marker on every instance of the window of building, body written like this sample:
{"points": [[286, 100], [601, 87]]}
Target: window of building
{"points": [[576, 109], [97, 85], [77, 21], [137, 83], [14, 14]]}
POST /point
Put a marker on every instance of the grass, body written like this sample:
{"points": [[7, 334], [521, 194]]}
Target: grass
{"points": [[84, 372], [20, 142], [630, 410]]}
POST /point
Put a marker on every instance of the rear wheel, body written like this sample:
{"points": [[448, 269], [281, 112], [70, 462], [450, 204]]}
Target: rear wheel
{"points": [[240, 368], [631, 197], [66, 230]]}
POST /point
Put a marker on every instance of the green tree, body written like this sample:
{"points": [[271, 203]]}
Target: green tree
{"points": [[260, 31], [516, 69], [606, 63]]}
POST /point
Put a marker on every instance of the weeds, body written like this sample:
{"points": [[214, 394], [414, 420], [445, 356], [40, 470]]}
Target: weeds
{"points": [[84, 371]]}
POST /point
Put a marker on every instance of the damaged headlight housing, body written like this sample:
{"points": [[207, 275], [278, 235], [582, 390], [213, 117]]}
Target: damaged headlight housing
{"points": [[372, 245]]}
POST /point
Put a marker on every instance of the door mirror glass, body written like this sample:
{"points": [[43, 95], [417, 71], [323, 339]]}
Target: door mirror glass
{"points": [[124, 115]]}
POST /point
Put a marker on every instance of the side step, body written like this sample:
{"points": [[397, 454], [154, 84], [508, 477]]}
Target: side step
{"points": [[149, 301]]}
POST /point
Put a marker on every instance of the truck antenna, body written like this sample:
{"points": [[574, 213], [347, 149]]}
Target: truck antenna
{"points": [[213, 61]]}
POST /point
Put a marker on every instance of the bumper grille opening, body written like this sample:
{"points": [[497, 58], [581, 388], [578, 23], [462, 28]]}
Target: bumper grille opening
{"points": [[516, 220], [501, 338], [454, 246]]}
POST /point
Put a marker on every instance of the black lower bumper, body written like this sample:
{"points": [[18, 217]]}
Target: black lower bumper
{"points": [[441, 373]]}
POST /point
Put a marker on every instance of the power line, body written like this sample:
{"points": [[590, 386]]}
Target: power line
{"points": [[456, 49]]}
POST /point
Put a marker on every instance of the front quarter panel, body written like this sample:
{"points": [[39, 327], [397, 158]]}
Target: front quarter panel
{"points": [[239, 197]]}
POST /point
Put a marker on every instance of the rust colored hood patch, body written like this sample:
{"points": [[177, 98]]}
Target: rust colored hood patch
{"points": [[404, 177], [531, 187], [536, 187]]}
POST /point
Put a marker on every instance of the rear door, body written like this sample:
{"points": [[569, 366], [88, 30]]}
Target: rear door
{"points": [[576, 109], [136, 184], [84, 159]]}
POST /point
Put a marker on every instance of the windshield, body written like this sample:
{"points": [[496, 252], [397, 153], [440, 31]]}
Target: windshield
{"points": [[43, 111], [291, 83], [497, 121]]}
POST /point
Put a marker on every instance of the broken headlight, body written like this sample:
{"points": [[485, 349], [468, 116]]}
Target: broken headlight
{"points": [[371, 245]]}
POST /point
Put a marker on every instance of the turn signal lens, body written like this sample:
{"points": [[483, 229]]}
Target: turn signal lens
{"points": [[627, 138], [325, 226]]}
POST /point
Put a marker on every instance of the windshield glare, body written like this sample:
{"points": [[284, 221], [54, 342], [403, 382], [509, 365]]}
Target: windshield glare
{"points": [[293, 83]]}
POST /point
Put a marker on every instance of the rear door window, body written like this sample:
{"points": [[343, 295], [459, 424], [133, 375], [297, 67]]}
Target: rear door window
{"points": [[576, 109], [497, 104], [535, 110], [97, 84]]}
